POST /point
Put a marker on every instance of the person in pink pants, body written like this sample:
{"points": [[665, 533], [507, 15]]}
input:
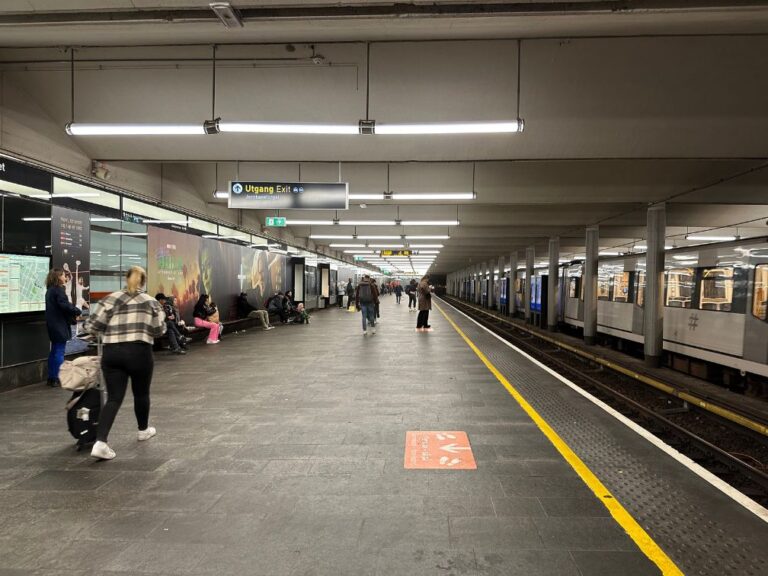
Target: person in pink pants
{"points": [[206, 316]]}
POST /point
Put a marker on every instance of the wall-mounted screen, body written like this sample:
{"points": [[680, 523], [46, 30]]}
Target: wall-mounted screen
{"points": [[22, 283]]}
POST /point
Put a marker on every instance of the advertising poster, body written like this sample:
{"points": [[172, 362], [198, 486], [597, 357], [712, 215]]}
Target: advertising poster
{"points": [[185, 266], [174, 267], [71, 248]]}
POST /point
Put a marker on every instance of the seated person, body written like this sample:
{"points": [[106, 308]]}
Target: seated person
{"points": [[302, 316], [276, 305], [206, 316], [245, 310], [175, 339]]}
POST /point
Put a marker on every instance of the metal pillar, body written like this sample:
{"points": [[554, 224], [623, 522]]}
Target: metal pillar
{"points": [[654, 285], [501, 280], [589, 278], [512, 280], [530, 255], [478, 284], [553, 283]]}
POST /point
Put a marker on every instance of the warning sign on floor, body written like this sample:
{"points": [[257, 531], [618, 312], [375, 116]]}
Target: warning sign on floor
{"points": [[438, 451]]}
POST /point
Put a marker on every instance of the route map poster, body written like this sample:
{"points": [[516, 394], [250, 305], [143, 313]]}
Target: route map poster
{"points": [[22, 283], [71, 240]]}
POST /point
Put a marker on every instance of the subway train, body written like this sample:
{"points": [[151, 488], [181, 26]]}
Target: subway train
{"points": [[715, 307]]}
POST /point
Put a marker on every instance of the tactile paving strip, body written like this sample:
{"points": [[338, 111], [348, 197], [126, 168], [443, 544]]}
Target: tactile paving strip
{"points": [[700, 528]]}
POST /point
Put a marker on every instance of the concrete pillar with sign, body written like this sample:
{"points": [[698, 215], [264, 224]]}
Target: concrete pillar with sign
{"points": [[654, 285], [530, 255], [512, 280], [553, 283], [589, 279]]}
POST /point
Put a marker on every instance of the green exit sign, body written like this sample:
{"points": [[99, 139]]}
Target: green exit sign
{"points": [[275, 222]]}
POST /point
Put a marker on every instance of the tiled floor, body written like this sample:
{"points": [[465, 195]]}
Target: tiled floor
{"points": [[281, 453]]}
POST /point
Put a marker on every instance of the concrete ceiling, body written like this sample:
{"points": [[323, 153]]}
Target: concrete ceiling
{"points": [[622, 109]]}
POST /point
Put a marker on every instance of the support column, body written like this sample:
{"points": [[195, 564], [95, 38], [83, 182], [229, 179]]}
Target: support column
{"points": [[491, 276], [530, 255], [512, 280], [589, 278], [478, 284], [502, 263], [553, 283], [654, 285]]}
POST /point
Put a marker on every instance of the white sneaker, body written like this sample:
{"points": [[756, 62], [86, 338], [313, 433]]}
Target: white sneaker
{"points": [[269, 328], [101, 451], [373, 330], [211, 341], [365, 332], [146, 434]]}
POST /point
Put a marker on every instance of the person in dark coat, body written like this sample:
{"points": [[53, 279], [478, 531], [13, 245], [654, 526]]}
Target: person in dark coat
{"points": [[424, 293], [60, 314]]}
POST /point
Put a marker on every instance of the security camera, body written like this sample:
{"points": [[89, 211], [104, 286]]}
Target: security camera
{"points": [[317, 60]]}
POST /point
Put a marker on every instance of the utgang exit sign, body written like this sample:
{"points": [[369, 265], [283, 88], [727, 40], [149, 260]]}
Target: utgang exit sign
{"points": [[395, 252], [287, 195], [275, 222]]}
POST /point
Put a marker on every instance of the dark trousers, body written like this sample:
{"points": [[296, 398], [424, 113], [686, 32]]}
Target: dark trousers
{"points": [[397, 297], [376, 308], [422, 321], [411, 300], [122, 361], [56, 359], [174, 336]]}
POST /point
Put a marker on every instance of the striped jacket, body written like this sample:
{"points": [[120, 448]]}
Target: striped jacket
{"points": [[124, 317]]}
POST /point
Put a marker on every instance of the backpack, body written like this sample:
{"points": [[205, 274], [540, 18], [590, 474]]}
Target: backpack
{"points": [[80, 374], [365, 293]]}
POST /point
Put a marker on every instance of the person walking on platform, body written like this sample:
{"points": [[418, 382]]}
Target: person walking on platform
{"points": [[350, 292], [366, 298], [128, 321], [60, 315], [398, 292], [376, 305], [425, 305], [411, 291]]}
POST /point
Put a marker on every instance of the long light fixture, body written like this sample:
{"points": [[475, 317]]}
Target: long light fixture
{"points": [[37, 219], [285, 128], [508, 126], [221, 194], [129, 233], [415, 196], [67, 195], [430, 223], [291, 222], [93, 129], [104, 219], [444, 237], [367, 223], [164, 221], [426, 246], [710, 237]]}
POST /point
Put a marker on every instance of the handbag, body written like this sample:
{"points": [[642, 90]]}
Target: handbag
{"points": [[80, 374]]}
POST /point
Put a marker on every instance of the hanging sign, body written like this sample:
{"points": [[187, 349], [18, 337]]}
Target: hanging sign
{"points": [[275, 222], [287, 195], [395, 252]]}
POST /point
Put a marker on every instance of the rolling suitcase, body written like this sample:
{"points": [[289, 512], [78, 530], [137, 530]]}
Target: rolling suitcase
{"points": [[84, 407]]}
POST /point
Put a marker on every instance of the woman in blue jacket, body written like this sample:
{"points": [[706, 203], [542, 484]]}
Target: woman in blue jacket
{"points": [[60, 314]]}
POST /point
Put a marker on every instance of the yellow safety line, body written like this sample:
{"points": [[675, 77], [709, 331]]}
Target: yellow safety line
{"points": [[646, 544], [671, 390]]}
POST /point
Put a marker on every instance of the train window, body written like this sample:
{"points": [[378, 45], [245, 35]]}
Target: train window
{"points": [[621, 287], [680, 286], [716, 292], [573, 286], [760, 297], [640, 288], [604, 284]]}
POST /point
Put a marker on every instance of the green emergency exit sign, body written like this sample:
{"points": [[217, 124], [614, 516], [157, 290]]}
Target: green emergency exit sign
{"points": [[275, 222]]}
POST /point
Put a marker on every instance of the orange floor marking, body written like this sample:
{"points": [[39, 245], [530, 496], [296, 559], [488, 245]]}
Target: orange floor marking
{"points": [[438, 451]]}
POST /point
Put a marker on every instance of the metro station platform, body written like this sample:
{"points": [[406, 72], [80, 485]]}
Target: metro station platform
{"points": [[283, 453]]}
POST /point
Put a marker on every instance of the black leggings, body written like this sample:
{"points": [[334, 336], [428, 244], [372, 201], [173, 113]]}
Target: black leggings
{"points": [[422, 321], [411, 300], [121, 361]]}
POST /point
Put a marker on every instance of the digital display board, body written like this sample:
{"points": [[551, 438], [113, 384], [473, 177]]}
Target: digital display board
{"points": [[22, 283], [289, 195]]}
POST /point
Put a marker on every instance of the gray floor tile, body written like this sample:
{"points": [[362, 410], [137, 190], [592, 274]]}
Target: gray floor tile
{"points": [[630, 563]]}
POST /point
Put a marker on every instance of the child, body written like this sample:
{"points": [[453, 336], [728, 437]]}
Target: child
{"points": [[302, 316]]}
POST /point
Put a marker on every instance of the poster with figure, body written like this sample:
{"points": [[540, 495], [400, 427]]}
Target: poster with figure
{"points": [[264, 274], [173, 267], [71, 248]]}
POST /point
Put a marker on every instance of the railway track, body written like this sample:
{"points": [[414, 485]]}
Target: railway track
{"points": [[715, 435]]}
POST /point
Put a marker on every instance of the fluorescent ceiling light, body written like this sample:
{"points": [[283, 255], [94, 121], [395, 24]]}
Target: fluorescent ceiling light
{"points": [[374, 237], [452, 128], [367, 196], [228, 15], [347, 245], [445, 237], [163, 221], [609, 253], [285, 128], [129, 233], [360, 252], [37, 219], [76, 195], [104, 219], [429, 251], [710, 238], [221, 194], [684, 257], [332, 237], [644, 247], [367, 223], [385, 245], [78, 129], [434, 196], [309, 222], [430, 223], [426, 246]]}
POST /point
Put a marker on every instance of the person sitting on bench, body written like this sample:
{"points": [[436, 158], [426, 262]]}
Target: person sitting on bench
{"points": [[175, 339], [246, 310], [206, 316], [277, 306]]}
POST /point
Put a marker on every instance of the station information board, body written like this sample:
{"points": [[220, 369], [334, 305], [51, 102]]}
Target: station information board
{"points": [[289, 195], [22, 282]]}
